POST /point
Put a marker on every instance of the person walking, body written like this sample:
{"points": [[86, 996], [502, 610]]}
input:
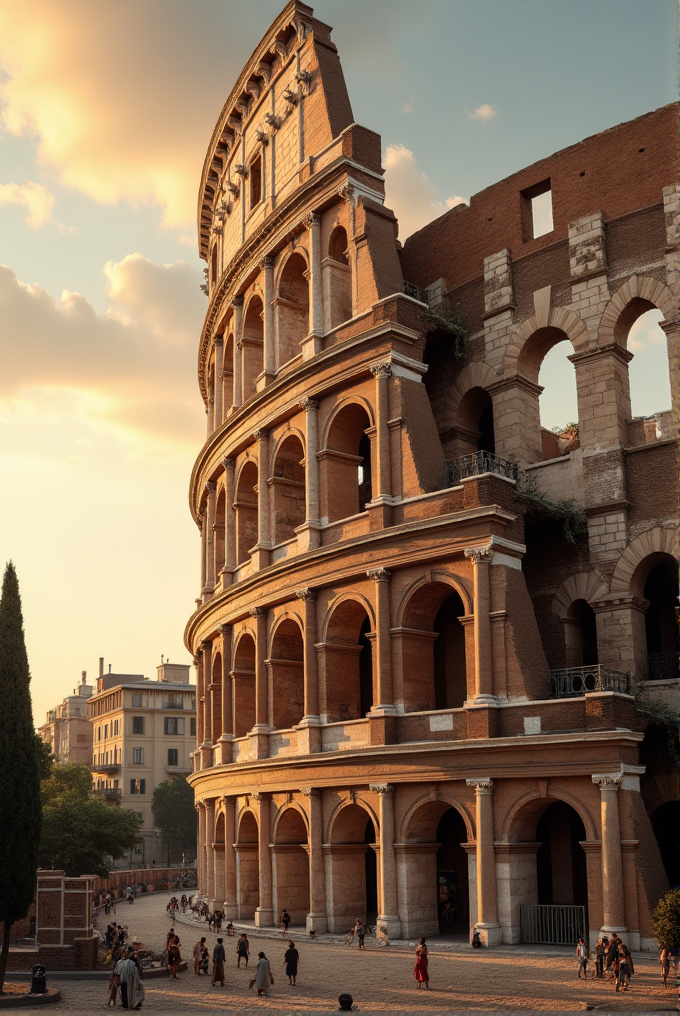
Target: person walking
{"points": [[623, 972], [242, 950], [129, 981], [582, 957], [198, 950], [420, 971], [174, 959], [599, 958], [360, 932], [183, 902], [291, 959], [218, 958], [285, 921], [665, 964], [263, 978]]}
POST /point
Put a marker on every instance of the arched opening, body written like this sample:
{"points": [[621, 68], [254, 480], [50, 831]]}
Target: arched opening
{"points": [[474, 423], [213, 265], [561, 861], [287, 675], [453, 887], [659, 791], [220, 882], [288, 489], [666, 826], [292, 309], [245, 509], [255, 176], [220, 520], [216, 697], [580, 635], [432, 638], [353, 883], [661, 626], [291, 866], [247, 877], [243, 676], [337, 280], [228, 375], [558, 401], [346, 465], [253, 347], [348, 660], [649, 377]]}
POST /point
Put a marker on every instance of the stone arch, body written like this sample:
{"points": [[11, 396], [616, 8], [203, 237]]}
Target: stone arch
{"points": [[447, 801], [244, 826], [345, 460], [287, 475], [292, 303], [351, 875], [280, 268], [639, 294], [476, 374], [252, 342], [290, 838], [342, 598], [243, 675], [286, 673], [627, 574], [216, 696], [558, 319], [347, 686], [291, 806], [543, 802], [336, 275], [290, 431], [342, 404], [360, 801], [457, 583], [580, 586], [247, 868], [287, 615]]}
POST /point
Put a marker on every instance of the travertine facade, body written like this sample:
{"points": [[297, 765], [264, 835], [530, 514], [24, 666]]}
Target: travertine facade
{"points": [[67, 729], [385, 721]]}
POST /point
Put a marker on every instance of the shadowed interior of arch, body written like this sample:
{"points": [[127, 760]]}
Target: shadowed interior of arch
{"points": [[291, 866], [288, 489], [287, 675], [353, 867], [253, 346], [243, 676], [433, 664], [474, 422], [346, 465], [292, 309], [247, 879], [348, 661], [337, 280]]}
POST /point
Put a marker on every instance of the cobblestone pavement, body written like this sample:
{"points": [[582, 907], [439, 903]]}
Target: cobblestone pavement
{"points": [[378, 979]]}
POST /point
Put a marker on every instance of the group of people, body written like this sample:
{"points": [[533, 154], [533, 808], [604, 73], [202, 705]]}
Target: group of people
{"points": [[173, 956], [263, 978], [612, 958]]}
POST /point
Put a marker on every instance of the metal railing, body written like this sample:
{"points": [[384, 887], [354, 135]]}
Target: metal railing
{"points": [[475, 464], [662, 666], [574, 681], [108, 791], [552, 925], [422, 295]]}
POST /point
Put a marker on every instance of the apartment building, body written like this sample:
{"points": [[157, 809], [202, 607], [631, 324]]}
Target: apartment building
{"points": [[143, 732], [67, 729]]}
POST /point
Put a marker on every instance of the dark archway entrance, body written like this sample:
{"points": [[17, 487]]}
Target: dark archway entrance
{"points": [[453, 895], [666, 826], [371, 871], [561, 860], [661, 589]]}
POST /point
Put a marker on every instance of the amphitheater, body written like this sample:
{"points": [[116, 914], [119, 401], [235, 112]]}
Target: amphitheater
{"points": [[428, 693]]}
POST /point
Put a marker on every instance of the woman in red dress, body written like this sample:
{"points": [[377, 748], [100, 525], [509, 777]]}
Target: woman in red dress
{"points": [[420, 971]]}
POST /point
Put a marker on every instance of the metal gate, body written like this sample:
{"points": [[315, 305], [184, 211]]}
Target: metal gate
{"points": [[552, 925]]}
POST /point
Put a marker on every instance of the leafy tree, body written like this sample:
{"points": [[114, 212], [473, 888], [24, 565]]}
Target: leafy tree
{"points": [[19, 766], [666, 920], [174, 813], [45, 757], [80, 830]]}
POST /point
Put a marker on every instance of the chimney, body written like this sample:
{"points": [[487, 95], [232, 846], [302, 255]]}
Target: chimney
{"points": [[83, 677], [109, 668], [101, 666]]}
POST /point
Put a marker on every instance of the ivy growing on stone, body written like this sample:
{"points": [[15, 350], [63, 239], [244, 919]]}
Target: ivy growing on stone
{"points": [[662, 714], [449, 322], [567, 511]]}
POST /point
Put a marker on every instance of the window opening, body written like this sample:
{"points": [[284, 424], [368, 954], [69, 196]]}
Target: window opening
{"points": [[173, 757], [364, 472], [650, 385], [255, 175], [138, 756], [137, 724], [365, 669], [537, 211], [558, 402], [174, 724]]}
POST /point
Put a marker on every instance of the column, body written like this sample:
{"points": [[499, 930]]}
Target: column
{"points": [[200, 853], [309, 739], [219, 367], [481, 560], [206, 744], [209, 586], [210, 851], [382, 484], [309, 535], [269, 334], [210, 411], [260, 555], [260, 732], [316, 918], [229, 566], [388, 916], [487, 906], [200, 691], [612, 891], [202, 525], [316, 301], [231, 909], [237, 304], [227, 732], [383, 701], [264, 914]]}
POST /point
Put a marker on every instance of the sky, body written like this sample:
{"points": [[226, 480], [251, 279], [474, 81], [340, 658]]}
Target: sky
{"points": [[106, 110]]}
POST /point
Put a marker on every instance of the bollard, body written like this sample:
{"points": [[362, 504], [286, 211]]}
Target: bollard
{"points": [[38, 980]]}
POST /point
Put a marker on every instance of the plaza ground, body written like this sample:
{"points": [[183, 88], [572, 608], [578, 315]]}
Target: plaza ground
{"points": [[507, 978]]}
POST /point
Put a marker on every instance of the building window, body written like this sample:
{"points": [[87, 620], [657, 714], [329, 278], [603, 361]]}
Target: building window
{"points": [[138, 756], [136, 700], [173, 757], [137, 724], [138, 786], [106, 731], [536, 209], [99, 733], [255, 182], [174, 700], [192, 726], [174, 724], [115, 728]]}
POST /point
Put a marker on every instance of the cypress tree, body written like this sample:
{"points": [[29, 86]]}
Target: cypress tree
{"points": [[20, 813]]}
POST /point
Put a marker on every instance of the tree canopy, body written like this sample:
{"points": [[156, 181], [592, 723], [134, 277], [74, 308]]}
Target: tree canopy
{"points": [[80, 830], [19, 766], [666, 920], [174, 813]]}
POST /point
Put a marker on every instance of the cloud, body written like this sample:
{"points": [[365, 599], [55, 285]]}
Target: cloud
{"points": [[409, 192], [37, 200], [485, 112], [408, 105], [646, 332], [130, 370]]}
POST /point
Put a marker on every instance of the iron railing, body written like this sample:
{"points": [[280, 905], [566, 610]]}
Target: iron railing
{"points": [[108, 791], [475, 464], [574, 681], [422, 295], [662, 667], [552, 925]]}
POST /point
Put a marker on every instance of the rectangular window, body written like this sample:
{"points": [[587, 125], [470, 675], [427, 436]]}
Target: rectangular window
{"points": [[536, 210], [136, 700], [255, 182], [138, 756], [174, 700], [138, 786], [173, 757], [174, 724], [193, 704], [115, 728], [106, 731], [192, 726], [137, 724]]}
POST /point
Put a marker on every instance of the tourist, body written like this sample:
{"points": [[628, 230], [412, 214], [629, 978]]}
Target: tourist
{"points": [[582, 957], [174, 958], [623, 972], [291, 959], [420, 970], [599, 958], [242, 950], [218, 958], [665, 964], [198, 954], [360, 929], [217, 922], [168, 939], [263, 977], [131, 989], [183, 902], [230, 928], [285, 921]]}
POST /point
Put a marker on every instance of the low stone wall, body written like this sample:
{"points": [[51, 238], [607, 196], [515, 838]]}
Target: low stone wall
{"points": [[153, 878]]}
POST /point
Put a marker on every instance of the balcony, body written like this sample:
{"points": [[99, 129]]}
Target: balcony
{"points": [[422, 295], [114, 792], [178, 770], [105, 767], [663, 667], [475, 464], [575, 681]]}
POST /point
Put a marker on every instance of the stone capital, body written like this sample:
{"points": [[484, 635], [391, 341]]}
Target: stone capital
{"points": [[206, 646], [312, 219], [261, 435], [482, 785], [210, 486], [258, 611], [237, 301], [383, 369], [347, 192], [381, 788], [608, 781], [229, 463], [308, 404], [219, 339], [225, 629], [479, 555], [310, 791], [379, 574], [305, 594]]}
